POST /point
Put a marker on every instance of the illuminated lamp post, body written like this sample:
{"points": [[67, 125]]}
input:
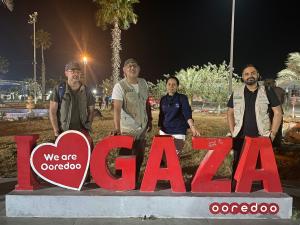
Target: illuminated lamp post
{"points": [[85, 60], [32, 20], [231, 48]]}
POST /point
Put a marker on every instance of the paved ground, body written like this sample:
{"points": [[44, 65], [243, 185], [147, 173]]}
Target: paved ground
{"points": [[7, 184]]}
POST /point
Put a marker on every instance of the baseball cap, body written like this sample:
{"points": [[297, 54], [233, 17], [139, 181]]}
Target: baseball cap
{"points": [[72, 65], [130, 60]]}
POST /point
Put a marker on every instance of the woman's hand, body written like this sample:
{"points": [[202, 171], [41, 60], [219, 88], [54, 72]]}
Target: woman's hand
{"points": [[195, 132]]}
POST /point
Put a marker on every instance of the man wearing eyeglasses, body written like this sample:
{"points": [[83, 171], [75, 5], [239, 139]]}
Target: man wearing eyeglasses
{"points": [[72, 103]]}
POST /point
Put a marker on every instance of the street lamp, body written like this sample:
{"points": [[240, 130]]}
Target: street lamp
{"points": [[231, 48], [32, 20], [84, 59]]}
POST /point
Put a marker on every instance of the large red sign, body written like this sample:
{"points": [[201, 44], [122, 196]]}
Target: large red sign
{"points": [[65, 164]]}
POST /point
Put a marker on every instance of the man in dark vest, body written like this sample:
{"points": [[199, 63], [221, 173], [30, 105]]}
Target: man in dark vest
{"points": [[71, 103], [132, 111]]}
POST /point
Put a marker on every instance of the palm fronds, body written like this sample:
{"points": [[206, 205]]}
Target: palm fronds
{"points": [[292, 70], [9, 4]]}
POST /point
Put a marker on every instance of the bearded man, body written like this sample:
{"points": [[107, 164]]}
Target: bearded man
{"points": [[248, 112]]}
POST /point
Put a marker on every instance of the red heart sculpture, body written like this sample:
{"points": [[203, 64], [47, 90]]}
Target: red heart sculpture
{"points": [[64, 163]]}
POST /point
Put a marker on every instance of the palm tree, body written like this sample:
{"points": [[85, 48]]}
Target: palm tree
{"points": [[9, 4], [43, 41], [119, 14], [292, 71]]}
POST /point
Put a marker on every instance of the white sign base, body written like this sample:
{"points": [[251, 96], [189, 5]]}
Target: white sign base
{"points": [[99, 203]]}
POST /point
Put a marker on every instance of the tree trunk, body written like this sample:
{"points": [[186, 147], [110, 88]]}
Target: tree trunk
{"points": [[219, 109], [43, 75], [116, 48]]}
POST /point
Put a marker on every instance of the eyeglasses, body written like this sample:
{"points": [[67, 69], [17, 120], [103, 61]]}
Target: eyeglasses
{"points": [[74, 71], [132, 65]]}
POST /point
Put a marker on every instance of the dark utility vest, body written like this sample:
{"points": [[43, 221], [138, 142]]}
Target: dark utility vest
{"points": [[65, 108]]}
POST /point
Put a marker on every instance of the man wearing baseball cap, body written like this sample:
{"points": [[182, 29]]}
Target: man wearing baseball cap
{"points": [[71, 103]]}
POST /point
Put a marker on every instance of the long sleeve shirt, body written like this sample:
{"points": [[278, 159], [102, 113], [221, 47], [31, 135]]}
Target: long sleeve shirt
{"points": [[174, 113]]}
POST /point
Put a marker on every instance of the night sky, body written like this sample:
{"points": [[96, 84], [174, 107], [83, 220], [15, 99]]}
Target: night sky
{"points": [[169, 35]]}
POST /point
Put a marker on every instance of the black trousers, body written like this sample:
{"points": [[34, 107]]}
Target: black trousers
{"points": [[138, 149], [237, 150], [179, 143], [278, 138]]}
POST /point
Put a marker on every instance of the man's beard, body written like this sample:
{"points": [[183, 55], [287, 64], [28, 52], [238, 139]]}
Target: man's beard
{"points": [[250, 81]]}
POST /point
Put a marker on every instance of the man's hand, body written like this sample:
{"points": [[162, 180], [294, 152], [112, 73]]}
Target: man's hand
{"points": [[115, 132], [56, 133], [53, 117]]}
